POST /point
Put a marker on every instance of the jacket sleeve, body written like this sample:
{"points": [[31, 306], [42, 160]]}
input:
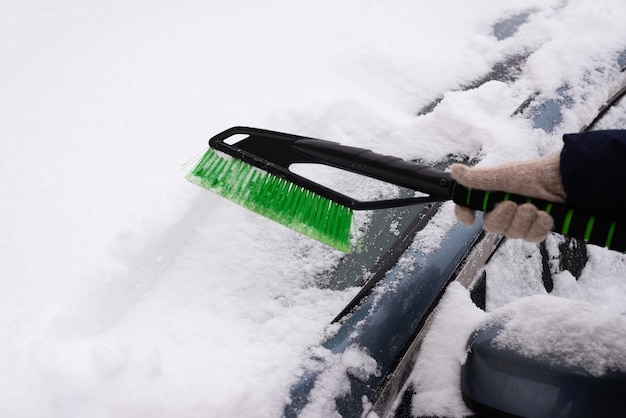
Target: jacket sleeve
{"points": [[593, 170]]}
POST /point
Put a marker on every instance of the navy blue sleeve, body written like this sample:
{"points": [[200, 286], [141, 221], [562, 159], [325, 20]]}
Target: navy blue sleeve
{"points": [[593, 169]]}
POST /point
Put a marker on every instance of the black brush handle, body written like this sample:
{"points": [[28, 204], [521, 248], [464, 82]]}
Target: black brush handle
{"points": [[382, 167], [593, 229], [276, 152]]}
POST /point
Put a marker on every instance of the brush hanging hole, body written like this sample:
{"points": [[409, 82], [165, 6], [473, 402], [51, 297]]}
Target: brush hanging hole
{"points": [[233, 139]]}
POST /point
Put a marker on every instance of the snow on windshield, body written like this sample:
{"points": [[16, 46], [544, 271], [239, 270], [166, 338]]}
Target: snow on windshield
{"points": [[128, 291]]}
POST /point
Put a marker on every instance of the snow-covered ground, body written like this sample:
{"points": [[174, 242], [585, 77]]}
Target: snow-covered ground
{"points": [[127, 291]]}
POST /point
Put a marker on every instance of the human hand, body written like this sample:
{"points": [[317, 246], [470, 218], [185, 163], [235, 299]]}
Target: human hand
{"points": [[539, 178]]}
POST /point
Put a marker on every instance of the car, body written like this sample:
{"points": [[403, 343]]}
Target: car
{"points": [[379, 334]]}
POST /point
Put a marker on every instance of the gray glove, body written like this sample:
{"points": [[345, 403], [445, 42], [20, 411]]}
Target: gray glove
{"points": [[539, 178]]}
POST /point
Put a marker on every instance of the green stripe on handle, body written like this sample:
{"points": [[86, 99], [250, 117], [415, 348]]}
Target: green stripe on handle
{"points": [[593, 229]]}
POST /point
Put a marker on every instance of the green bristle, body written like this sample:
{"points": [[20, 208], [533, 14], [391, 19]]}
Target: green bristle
{"points": [[275, 198]]}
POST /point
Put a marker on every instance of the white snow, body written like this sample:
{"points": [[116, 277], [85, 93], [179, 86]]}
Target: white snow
{"points": [[333, 379], [445, 345], [126, 290], [570, 332]]}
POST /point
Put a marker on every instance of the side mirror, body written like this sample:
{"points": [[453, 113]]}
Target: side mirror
{"points": [[500, 381]]}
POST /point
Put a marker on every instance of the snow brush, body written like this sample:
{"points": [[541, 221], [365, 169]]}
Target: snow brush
{"points": [[251, 167]]}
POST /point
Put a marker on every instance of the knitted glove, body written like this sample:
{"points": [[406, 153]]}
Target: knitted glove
{"points": [[539, 178]]}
